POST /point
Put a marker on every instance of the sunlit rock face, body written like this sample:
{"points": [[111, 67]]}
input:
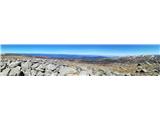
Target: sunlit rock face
{"points": [[123, 66]]}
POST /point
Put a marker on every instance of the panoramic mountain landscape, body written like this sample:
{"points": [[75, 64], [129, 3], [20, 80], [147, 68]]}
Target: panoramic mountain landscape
{"points": [[80, 60]]}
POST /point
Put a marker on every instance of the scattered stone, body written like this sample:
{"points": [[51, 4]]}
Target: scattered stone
{"points": [[51, 67], [138, 64], [15, 71], [84, 73], [3, 66], [40, 73], [14, 64], [100, 73], [35, 65], [79, 69], [5, 72], [143, 71], [41, 68], [31, 66], [148, 63], [27, 72], [33, 72], [48, 72], [157, 69], [67, 70], [25, 66], [140, 67], [127, 74], [108, 73], [54, 73], [117, 74], [8, 62]]}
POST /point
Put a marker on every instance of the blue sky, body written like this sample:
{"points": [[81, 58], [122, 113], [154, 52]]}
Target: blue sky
{"points": [[104, 50]]}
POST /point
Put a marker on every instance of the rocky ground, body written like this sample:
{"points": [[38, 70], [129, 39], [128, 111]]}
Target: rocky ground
{"points": [[30, 66]]}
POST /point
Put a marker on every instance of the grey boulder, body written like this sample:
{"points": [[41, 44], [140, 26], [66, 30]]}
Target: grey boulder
{"points": [[51, 67], [40, 73], [35, 65], [26, 65], [27, 72], [84, 73], [5, 72], [100, 73], [14, 64], [15, 71], [41, 68], [33, 73], [143, 71], [67, 71], [2, 66], [48, 72]]}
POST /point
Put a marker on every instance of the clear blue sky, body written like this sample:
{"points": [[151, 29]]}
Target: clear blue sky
{"points": [[113, 50]]}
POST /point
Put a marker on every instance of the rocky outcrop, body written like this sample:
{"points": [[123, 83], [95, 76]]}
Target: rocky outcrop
{"points": [[15, 71], [30, 66], [5, 72], [45, 68], [14, 64]]}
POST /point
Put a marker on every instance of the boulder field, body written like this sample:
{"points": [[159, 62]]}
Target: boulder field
{"points": [[31, 66]]}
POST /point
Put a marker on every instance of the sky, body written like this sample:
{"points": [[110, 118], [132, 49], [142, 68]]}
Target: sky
{"points": [[102, 50]]}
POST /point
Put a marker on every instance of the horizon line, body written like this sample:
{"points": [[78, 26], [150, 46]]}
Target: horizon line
{"points": [[81, 54]]}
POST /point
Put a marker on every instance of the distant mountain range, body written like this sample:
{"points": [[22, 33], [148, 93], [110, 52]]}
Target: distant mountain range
{"points": [[94, 58], [65, 56]]}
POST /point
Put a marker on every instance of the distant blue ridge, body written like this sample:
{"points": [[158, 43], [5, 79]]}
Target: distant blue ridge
{"points": [[65, 56]]}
